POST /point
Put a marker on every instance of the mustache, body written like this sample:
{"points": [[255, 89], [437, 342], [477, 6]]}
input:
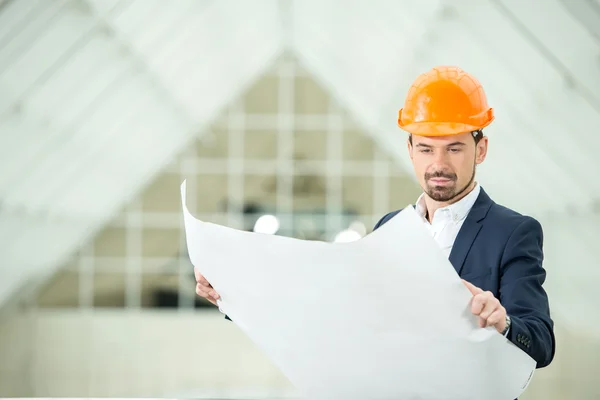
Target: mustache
{"points": [[440, 174]]}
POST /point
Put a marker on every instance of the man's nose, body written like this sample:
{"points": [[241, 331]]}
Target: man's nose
{"points": [[440, 159]]}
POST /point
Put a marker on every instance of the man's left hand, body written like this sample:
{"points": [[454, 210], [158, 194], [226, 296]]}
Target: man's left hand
{"points": [[487, 307]]}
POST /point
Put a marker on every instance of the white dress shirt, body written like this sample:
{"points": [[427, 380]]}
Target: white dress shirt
{"points": [[448, 220]]}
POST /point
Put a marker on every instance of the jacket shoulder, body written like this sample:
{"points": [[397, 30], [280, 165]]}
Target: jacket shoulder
{"points": [[511, 219], [499, 210], [385, 219]]}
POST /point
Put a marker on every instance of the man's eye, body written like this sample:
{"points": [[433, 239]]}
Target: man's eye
{"points": [[454, 150], [425, 150]]}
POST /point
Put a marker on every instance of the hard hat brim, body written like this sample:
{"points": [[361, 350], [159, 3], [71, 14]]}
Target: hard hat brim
{"points": [[429, 128], [439, 128]]}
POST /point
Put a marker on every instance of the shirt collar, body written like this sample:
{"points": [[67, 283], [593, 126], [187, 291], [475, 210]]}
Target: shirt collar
{"points": [[458, 210]]}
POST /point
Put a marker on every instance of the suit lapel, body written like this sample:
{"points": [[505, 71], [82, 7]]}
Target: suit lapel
{"points": [[469, 230]]}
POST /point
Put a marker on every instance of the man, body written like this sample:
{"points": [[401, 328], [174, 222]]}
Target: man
{"points": [[496, 251]]}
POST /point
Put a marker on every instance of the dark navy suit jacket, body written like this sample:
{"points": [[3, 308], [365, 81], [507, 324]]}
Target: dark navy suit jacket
{"points": [[500, 250]]}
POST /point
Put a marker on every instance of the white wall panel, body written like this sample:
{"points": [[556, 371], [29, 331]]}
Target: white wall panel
{"points": [[97, 118], [562, 36]]}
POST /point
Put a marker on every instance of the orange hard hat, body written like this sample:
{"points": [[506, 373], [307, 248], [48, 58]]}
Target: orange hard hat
{"points": [[445, 101]]}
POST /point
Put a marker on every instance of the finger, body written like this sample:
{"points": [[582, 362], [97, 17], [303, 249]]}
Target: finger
{"points": [[472, 288], [202, 292], [211, 300], [496, 317], [205, 283], [202, 280], [209, 292], [478, 304], [491, 305]]}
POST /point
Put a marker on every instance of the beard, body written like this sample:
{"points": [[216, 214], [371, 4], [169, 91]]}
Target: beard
{"points": [[447, 192]]}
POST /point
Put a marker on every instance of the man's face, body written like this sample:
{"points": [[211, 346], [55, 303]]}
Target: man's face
{"points": [[445, 165]]}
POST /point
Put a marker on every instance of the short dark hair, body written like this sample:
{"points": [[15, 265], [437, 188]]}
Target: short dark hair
{"points": [[477, 136]]}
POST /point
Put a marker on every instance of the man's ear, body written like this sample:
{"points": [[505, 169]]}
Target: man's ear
{"points": [[481, 150]]}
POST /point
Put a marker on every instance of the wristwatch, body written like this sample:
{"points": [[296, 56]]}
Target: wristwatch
{"points": [[507, 328]]}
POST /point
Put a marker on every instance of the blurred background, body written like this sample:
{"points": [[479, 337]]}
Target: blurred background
{"points": [[281, 115]]}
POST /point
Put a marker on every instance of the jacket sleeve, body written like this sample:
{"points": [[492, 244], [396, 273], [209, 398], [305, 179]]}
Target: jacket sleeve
{"points": [[522, 295]]}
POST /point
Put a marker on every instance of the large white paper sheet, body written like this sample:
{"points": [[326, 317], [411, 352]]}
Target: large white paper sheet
{"points": [[385, 317]]}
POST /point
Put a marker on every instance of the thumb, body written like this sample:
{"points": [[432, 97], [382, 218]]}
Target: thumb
{"points": [[472, 288]]}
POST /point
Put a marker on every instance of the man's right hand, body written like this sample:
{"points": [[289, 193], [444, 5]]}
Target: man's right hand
{"points": [[204, 289]]}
